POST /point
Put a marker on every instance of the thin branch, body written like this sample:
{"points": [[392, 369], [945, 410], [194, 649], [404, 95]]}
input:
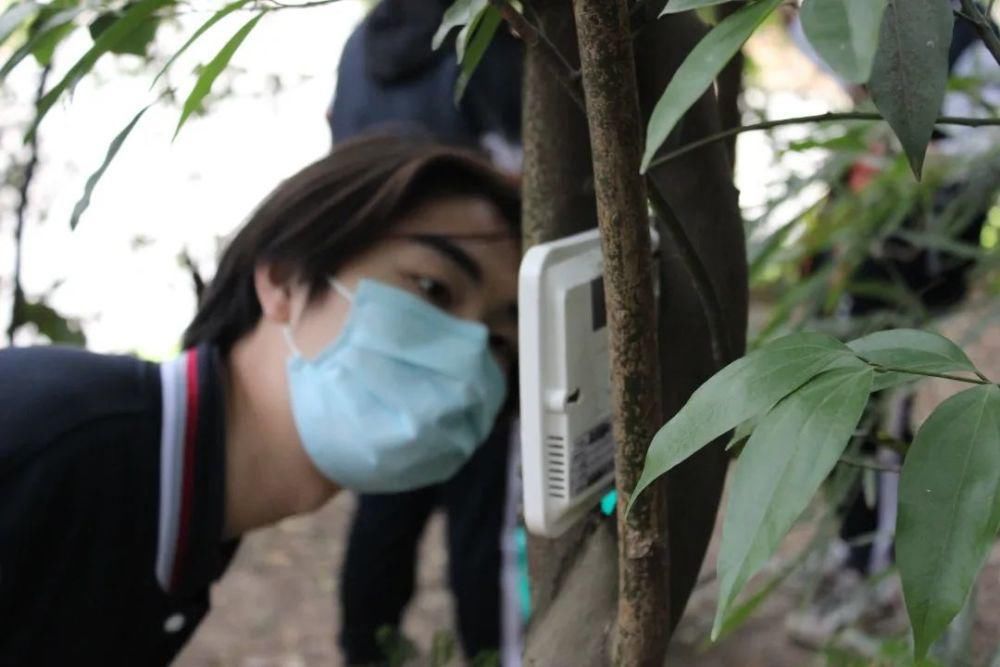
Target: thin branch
{"points": [[868, 464], [534, 35], [700, 279], [22, 212], [972, 13], [818, 118]]}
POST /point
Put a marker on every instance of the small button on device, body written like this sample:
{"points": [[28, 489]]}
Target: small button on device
{"points": [[174, 623]]}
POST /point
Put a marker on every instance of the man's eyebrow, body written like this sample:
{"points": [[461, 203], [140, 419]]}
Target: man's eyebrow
{"points": [[452, 251]]}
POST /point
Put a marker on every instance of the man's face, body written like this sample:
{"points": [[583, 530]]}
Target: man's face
{"points": [[457, 253]]}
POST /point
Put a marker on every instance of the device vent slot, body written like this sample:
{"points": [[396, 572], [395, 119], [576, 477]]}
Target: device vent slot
{"points": [[556, 465]]}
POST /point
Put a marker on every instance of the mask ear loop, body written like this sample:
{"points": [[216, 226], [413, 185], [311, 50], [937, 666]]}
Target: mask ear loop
{"points": [[286, 330]]}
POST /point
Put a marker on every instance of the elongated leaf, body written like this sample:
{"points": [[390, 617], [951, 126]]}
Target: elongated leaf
{"points": [[844, 33], [213, 69], [913, 349], [215, 18], [949, 508], [742, 390], [910, 74], [790, 453], [485, 30], [699, 69], [460, 13], [113, 148], [14, 17], [132, 20], [677, 6], [43, 38]]}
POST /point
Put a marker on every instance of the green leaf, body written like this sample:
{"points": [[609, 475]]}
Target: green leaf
{"points": [[912, 349], [88, 189], [791, 452], [47, 30], [949, 508], [742, 390], [138, 40], [50, 323], [117, 33], [910, 75], [213, 69], [14, 17], [485, 29], [218, 16], [460, 13], [677, 6], [699, 69], [844, 33]]}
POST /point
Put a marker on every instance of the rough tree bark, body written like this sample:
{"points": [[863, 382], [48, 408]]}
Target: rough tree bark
{"points": [[609, 83], [558, 201], [578, 593]]}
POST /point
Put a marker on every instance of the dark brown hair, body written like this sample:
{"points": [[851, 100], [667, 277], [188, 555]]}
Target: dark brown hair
{"points": [[332, 210]]}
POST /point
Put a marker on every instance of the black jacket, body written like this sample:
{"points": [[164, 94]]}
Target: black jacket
{"points": [[111, 505], [390, 78]]}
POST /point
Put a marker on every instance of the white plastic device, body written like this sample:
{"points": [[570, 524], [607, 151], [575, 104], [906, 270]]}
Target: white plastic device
{"points": [[567, 450]]}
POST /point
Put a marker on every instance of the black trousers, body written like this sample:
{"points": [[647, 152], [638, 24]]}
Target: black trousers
{"points": [[377, 580]]}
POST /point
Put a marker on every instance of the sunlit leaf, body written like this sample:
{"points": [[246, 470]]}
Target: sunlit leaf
{"points": [[910, 75], [213, 69], [14, 17], [485, 29], [215, 18], [949, 508], [699, 69], [460, 13], [791, 452], [113, 148], [742, 390], [844, 33], [118, 32], [677, 6], [48, 29]]}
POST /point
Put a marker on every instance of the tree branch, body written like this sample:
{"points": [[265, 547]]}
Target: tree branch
{"points": [[700, 279], [534, 35], [818, 118], [972, 12], [16, 319]]}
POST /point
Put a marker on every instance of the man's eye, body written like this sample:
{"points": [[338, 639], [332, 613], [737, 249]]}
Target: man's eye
{"points": [[434, 291]]}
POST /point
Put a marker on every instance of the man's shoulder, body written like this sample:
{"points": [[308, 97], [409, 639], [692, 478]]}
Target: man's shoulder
{"points": [[47, 392]]}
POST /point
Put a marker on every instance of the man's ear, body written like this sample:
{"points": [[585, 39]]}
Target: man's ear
{"points": [[273, 293]]}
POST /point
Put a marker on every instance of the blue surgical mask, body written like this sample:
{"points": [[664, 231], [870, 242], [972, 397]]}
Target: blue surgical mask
{"points": [[401, 399]]}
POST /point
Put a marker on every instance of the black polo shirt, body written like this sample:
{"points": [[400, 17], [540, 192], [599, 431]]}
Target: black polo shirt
{"points": [[111, 505]]}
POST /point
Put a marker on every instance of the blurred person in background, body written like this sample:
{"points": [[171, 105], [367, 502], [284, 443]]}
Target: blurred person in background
{"points": [[391, 79], [360, 333]]}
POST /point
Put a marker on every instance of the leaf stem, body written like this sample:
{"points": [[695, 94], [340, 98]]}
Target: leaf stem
{"points": [[879, 368], [818, 118]]}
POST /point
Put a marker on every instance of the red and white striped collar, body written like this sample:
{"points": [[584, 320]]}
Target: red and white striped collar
{"points": [[192, 473]]}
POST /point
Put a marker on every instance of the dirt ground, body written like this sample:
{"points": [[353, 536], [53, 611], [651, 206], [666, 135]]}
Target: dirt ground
{"points": [[276, 606]]}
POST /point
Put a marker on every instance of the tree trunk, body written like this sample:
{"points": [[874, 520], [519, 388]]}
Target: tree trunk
{"points": [[609, 82]]}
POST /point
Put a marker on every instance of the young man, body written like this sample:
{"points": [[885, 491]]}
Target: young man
{"points": [[357, 335]]}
